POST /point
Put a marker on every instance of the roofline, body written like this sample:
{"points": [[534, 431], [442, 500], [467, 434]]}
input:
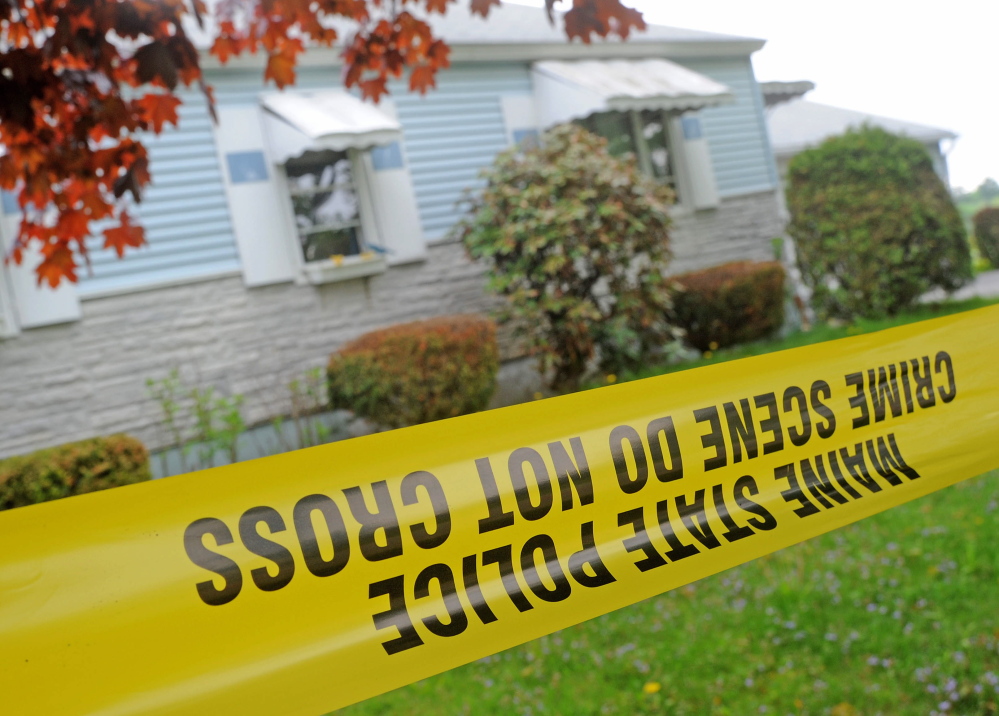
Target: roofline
{"points": [[527, 52]]}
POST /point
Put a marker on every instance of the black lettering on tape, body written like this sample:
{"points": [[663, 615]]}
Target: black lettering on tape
{"points": [[309, 541], [903, 378], [528, 510], [561, 588], [395, 616], [664, 427], [733, 531], [796, 436], [838, 476], [770, 424], [695, 520], [678, 550], [589, 558], [714, 439], [857, 467], [640, 541], [619, 436], [859, 400], [457, 620], [382, 520], [249, 523], [793, 493], [818, 483], [763, 521], [882, 466], [572, 474], [503, 558], [497, 517], [741, 430], [442, 515], [925, 396], [469, 575], [884, 392], [194, 545], [821, 391], [943, 359]]}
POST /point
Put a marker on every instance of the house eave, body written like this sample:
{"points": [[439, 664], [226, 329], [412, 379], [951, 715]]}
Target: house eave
{"points": [[527, 52]]}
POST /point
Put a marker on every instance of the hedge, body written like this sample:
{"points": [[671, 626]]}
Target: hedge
{"points": [[72, 469], [874, 226], [986, 223], [733, 303], [417, 372]]}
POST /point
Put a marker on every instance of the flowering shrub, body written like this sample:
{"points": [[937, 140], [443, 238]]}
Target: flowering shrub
{"points": [[576, 240], [734, 303], [874, 225], [986, 223], [417, 372], [72, 469]]}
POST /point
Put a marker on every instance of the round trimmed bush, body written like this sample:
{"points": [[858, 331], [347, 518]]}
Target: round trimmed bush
{"points": [[417, 372], [874, 225], [72, 469], [729, 304], [986, 223]]}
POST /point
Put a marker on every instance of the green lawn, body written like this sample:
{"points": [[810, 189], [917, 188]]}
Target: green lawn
{"points": [[898, 614]]}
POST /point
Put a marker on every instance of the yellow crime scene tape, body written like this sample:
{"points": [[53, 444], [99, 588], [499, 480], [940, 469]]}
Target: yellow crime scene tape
{"points": [[305, 582]]}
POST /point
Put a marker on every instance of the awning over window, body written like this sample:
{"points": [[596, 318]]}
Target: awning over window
{"points": [[574, 90], [297, 122]]}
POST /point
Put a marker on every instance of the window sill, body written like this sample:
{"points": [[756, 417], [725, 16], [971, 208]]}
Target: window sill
{"points": [[344, 268]]}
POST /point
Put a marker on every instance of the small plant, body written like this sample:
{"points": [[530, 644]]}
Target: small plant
{"points": [[417, 372], [167, 392], [215, 421], [874, 225], [72, 469], [577, 241], [308, 398], [986, 223], [733, 303]]}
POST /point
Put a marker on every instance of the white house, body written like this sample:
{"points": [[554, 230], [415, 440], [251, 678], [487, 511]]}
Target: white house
{"points": [[307, 217], [796, 124]]}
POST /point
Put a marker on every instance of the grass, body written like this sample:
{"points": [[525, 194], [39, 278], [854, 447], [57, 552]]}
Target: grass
{"points": [[897, 614], [893, 615]]}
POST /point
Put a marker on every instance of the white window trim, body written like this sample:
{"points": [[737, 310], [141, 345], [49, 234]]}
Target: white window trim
{"points": [[8, 321], [367, 263]]}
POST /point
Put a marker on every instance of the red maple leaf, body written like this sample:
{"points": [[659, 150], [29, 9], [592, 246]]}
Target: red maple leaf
{"points": [[57, 263], [159, 108], [125, 235]]}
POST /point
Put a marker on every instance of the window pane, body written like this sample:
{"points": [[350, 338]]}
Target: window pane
{"points": [[615, 127], [323, 243], [324, 201], [654, 132]]}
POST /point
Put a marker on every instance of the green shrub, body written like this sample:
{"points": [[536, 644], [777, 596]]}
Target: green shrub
{"points": [[417, 372], [734, 303], [986, 223], [576, 240], [72, 469], [874, 225]]}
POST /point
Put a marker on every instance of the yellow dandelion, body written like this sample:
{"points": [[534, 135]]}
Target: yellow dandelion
{"points": [[652, 687], [713, 345], [611, 379], [708, 355], [538, 396]]}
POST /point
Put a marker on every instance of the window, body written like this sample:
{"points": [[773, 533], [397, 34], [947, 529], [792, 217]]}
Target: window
{"points": [[325, 205], [646, 134]]}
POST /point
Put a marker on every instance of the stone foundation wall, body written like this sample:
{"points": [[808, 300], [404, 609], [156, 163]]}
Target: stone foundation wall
{"points": [[73, 381]]}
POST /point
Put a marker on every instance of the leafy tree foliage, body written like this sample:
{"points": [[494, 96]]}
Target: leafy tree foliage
{"points": [[875, 226], [986, 223], [576, 239], [70, 118]]}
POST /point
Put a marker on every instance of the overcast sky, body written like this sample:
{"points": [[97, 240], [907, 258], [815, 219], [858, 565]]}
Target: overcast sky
{"points": [[935, 63]]}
